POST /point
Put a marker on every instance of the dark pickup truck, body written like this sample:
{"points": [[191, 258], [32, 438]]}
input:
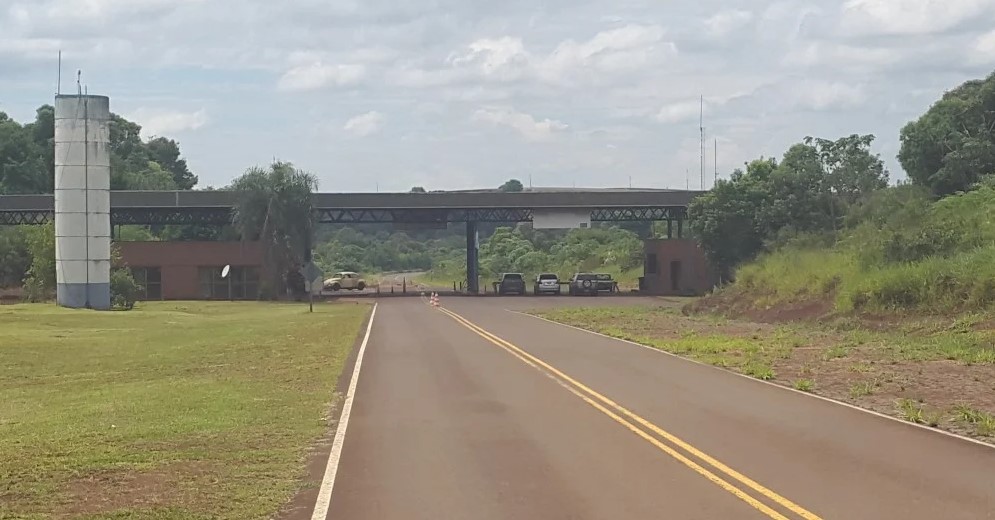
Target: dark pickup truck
{"points": [[510, 283], [583, 283], [605, 283]]}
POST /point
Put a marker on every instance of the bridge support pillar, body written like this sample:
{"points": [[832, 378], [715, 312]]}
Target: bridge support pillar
{"points": [[472, 269]]}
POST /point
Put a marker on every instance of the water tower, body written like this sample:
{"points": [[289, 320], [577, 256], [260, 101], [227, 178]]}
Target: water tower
{"points": [[82, 201]]}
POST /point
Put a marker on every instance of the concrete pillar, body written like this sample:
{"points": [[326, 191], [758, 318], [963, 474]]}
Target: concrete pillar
{"points": [[82, 201], [472, 268]]}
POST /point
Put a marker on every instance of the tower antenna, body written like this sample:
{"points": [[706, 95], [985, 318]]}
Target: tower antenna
{"points": [[701, 142]]}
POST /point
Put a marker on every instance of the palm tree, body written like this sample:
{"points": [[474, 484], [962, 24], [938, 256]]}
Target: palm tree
{"points": [[273, 206]]}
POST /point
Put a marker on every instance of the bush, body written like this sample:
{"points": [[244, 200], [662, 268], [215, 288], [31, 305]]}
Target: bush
{"points": [[39, 284], [936, 258], [124, 289]]}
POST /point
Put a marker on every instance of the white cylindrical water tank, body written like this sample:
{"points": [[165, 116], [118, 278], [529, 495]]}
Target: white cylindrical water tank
{"points": [[83, 201]]}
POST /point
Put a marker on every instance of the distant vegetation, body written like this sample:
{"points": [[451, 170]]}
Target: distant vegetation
{"points": [[825, 229], [522, 249], [27, 151]]}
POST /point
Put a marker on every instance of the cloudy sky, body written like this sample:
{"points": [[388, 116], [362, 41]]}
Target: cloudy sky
{"points": [[388, 94]]}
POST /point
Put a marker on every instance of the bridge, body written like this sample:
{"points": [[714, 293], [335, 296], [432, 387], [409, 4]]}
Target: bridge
{"points": [[208, 207], [433, 209]]}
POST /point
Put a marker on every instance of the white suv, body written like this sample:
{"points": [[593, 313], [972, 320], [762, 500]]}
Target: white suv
{"points": [[547, 283]]}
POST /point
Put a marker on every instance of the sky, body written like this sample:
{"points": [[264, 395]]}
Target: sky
{"points": [[383, 95]]}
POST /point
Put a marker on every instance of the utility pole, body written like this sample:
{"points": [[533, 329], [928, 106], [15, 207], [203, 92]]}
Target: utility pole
{"points": [[715, 164]]}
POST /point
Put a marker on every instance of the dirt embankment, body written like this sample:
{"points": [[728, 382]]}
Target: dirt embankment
{"points": [[937, 370]]}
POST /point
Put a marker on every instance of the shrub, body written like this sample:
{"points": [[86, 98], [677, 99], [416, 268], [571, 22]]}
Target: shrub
{"points": [[940, 257], [124, 289], [39, 284]]}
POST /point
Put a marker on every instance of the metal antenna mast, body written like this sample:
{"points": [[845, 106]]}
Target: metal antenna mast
{"points": [[701, 142], [715, 163]]}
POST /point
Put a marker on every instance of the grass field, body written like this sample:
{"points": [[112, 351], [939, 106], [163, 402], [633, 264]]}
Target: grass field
{"points": [[939, 372], [170, 411]]}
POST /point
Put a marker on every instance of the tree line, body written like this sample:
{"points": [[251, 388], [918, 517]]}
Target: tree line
{"points": [[818, 184]]}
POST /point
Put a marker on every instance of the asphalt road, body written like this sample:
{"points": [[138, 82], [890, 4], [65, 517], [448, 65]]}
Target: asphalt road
{"points": [[477, 412]]}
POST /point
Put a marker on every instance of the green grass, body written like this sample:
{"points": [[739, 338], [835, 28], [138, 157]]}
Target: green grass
{"points": [[983, 422], [914, 412], [967, 347], [439, 278], [805, 385], [658, 327], [835, 352], [863, 388], [911, 411], [938, 259], [211, 405]]}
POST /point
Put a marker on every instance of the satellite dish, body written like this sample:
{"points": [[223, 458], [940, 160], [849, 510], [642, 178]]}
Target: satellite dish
{"points": [[224, 272]]}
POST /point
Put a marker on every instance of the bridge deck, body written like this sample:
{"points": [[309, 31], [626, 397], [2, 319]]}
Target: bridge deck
{"points": [[214, 207]]}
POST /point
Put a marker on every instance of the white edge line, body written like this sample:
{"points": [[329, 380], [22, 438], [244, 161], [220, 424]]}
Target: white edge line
{"points": [[769, 383], [324, 499]]}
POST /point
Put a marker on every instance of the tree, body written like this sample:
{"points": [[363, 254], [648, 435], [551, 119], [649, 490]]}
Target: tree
{"points": [[727, 219], [273, 206], [166, 152], [851, 170], [513, 185], [27, 157], [22, 159], [417, 189], [809, 191], [952, 146]]}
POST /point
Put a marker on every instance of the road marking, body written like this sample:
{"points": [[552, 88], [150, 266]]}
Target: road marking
{"points": [[324, 499], [768, 383], [577, 387]]}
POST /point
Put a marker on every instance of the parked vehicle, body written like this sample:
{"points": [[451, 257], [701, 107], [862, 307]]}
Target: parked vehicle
{"points": [[547, 283], [345, 280], [605, 283], [583, 283], [511, 283]]}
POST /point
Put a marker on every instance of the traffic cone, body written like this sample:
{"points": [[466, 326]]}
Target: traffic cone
{"points": [[435, 299]]}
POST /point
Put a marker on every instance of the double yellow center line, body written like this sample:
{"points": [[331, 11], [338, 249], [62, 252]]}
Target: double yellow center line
{"points": [[630, 420]]}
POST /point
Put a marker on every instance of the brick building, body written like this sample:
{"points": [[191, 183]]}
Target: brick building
{"points": [[192, 270], [676, 267]]}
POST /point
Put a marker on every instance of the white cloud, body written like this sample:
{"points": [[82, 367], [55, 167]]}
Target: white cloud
{"points": [[680, 111], [623, 73], [909, 17], [727, 22], [825, 95], [984, 48], [364, 124], [160, 122], [840, 56], [627, 48], [504, 57], [524, 124], [317, 75]]}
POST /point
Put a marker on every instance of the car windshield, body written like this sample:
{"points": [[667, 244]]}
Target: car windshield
{"points": [[586, 277], [547, 277], [512, 277]]}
